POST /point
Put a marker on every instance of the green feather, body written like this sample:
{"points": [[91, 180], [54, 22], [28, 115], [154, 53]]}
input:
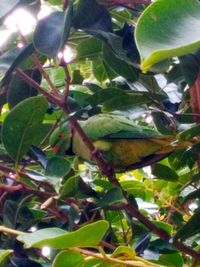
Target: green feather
{"points": [[107, 126]]}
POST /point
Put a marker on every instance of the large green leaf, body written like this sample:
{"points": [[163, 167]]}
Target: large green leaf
{"points": [[167, 29], [20, 128], [52, 32], [87, 236]]}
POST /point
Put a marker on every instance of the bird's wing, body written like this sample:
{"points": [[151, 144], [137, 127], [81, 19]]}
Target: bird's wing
{"points": [[110, 127]]}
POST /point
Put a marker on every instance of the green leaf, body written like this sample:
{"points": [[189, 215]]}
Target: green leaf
{"points": [[190, 133], [57, 167], [167, 29], [164, 172], [189, 229], [68, 258], [87, 236], [18, 89], [165, 226], [172, 259], [88, 48], [70, 187], [11, 59], [20, 127], [104, 95], [135, 188], [125, 102], [119, 66], [99, 18], [127, 252], [52, 32], [3, 257], [98, 70], [113, 196], [9, 211]]}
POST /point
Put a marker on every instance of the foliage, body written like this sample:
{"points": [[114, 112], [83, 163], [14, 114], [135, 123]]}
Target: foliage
{"points": [[133, 60]]}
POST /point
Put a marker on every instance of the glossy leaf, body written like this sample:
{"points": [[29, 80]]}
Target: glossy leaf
{"points": [[11, 59], [98, 19], [167, 29], [113, 196], [57, 167], [68, 258], [20, 127], [19, 90], [172, 259], [52, 32], [125, 102], [119, 66], [164, 172], [89, 48], [87, 236], [190, 228]]}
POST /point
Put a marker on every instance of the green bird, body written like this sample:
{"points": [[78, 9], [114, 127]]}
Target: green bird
{"points": [[123, 144]]}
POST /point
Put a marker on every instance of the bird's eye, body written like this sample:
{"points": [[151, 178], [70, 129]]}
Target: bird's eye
{"points": [[60, 136]]}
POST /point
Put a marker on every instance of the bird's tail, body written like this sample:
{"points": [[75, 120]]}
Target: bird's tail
{"points": [[170, 144]]}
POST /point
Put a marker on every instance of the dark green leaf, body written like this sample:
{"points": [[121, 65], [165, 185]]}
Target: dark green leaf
{"points": [[20, 127], [99, 18], [10, 208], [11, 59], [172, 259], [113, 196], [104, 95], [57, 167], [164, 172], [190, 228], [52, 32], [18, 89], [119, 66], [127, 101], [88, 48]]}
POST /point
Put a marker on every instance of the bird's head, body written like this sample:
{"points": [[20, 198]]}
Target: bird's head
{"points": [[60, 139]]}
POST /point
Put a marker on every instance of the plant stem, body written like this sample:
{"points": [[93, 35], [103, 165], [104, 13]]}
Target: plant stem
{"points": [[134, 263], [10, 231]]}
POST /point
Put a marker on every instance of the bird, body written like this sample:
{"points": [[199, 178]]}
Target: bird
{"points": [[123, 144]]}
